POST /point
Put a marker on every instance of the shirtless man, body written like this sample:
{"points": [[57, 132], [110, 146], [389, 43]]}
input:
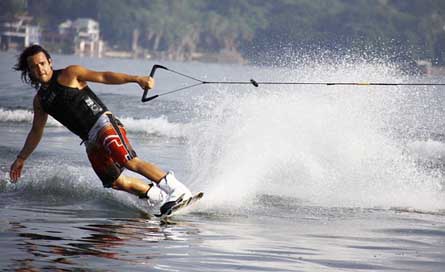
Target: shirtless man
{"points": [[65, 95]]}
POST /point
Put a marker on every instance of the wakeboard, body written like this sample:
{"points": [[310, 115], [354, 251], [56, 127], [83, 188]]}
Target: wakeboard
{"points": [[178, 205]]}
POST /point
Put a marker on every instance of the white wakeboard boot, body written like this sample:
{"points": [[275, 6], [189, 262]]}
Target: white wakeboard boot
{"points": [[175, 191], [155, 196]]}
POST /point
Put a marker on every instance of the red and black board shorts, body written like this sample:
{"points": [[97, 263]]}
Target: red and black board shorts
{"points": [[110, 152]]}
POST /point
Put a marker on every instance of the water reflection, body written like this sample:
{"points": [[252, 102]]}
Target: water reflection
{"points": [[123, 242]]}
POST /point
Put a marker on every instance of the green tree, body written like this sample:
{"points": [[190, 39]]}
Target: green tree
{"points": [[178, 28]]}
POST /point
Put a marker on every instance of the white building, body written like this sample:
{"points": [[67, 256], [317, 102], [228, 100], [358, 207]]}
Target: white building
{"points": [[86, 34], [19, 33]]}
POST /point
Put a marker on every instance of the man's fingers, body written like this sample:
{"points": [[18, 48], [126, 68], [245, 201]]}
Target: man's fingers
{"points": [[146, 83], [15, 172], [14, 175], [151, 83]]}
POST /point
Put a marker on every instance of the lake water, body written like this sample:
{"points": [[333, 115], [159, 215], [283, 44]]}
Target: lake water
{"points": [[296, 178]]}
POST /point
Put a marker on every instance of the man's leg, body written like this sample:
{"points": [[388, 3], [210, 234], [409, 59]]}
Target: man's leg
{"points": [[167, 182], [114, 140], [111, 175], [131, 185], [153, 195], [146, 169]]}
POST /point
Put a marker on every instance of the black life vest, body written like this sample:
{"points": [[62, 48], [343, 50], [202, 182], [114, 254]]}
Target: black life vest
{"points": [[76, 109]]}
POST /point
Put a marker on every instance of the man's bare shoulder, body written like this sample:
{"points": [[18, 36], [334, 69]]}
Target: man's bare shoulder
{"points": [[71, 76], [73, 70]]}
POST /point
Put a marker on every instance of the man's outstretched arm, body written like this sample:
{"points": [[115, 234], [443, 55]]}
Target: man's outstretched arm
{"points": [[77, 76], [32, 140]]}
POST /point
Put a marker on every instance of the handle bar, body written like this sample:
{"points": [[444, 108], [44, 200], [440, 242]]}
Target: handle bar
{"points": [[152, 74]]}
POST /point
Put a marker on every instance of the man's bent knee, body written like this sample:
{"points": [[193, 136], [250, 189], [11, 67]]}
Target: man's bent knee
{"points": [[133, 164], [109, 177], [118, 184]]}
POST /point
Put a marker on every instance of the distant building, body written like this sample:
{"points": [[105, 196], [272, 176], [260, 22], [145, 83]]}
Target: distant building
{"points": [[19, 33], [85, 35]]}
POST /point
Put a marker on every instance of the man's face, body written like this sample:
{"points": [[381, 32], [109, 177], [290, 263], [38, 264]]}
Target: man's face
{"points": [[40, 67]]}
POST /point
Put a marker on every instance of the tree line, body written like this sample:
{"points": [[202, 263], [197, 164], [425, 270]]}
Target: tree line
{"points": [[254, 28]]}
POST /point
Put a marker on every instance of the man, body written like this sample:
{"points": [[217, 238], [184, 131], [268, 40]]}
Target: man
{"points": [[65, 95]]}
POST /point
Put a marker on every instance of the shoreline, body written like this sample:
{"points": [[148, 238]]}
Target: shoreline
{"points": [[223, 57]]}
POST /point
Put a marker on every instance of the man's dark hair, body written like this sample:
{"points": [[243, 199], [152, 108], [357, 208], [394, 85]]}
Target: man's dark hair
{"points": [[22, 63]]}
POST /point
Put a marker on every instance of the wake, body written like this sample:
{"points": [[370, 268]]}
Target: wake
{"points": [[337, 146]]}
